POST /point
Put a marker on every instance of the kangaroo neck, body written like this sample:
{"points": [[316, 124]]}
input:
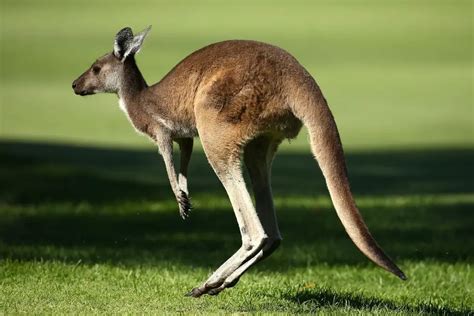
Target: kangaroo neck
{"points": [[133, 83]]}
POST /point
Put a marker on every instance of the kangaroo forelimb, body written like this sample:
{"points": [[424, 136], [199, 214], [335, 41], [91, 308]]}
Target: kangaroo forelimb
{"points": [[180, 190]]}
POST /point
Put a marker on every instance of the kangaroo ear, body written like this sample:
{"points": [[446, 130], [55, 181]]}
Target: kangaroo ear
{"points": [[137, 42], [126, 44], [123, 39]]}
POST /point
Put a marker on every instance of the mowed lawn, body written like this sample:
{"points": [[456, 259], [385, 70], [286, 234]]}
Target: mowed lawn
{"points": [[88, 222]]}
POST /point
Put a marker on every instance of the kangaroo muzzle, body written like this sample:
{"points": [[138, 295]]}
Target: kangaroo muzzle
{"points": [[79, 89]]}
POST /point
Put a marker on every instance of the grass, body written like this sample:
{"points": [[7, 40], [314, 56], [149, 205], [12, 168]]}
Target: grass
{"points": [[96, 230], [87, 218]]}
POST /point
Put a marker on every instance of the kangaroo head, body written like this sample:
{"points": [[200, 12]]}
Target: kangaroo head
{"points": [[107, 72]]}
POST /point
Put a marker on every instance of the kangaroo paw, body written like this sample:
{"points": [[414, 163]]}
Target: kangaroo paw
{"points": [[184, 204]]}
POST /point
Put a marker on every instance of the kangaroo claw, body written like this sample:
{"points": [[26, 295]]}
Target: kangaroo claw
{"points": [[184, 204]]}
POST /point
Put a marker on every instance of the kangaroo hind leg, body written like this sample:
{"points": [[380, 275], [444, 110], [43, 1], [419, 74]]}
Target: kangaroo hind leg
{"points": [[223, 148], [258, 157]]}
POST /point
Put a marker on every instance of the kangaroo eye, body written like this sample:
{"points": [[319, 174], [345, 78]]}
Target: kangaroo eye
{"points": [[96, 69]]}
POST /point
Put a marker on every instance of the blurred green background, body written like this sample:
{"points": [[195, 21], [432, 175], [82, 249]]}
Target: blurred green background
{"points": [[88, 222], [396, 73]]}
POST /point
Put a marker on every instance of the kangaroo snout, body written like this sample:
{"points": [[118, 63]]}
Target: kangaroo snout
{"points": [[74, 86], [76, 89], [79, 88]]}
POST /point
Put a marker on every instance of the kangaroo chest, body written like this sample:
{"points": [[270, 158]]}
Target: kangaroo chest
{"points": [[139, 120], [147, 124]]}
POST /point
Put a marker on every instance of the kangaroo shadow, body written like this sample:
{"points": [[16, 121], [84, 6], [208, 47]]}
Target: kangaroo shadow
{"points": [[315, 299], [75, 203]]}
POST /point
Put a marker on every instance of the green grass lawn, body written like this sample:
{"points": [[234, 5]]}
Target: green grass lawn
{"points": [[90, 229], [88, 222]]}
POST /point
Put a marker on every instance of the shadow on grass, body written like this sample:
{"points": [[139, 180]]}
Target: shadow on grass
{"points": [[38, 172], [313, 300], [103, 205]]}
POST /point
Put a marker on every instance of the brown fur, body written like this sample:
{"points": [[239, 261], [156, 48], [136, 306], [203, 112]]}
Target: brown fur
{"points": [[240, 97]]}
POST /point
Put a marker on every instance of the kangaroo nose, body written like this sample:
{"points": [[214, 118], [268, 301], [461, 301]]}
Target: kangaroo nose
{"points": [[74, 85]]}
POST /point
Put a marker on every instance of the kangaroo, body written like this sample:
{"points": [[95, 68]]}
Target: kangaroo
{"points": [[242, 98]]}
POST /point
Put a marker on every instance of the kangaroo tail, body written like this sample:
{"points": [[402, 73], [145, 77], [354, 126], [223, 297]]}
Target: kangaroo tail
{"points": [[327, 149]]}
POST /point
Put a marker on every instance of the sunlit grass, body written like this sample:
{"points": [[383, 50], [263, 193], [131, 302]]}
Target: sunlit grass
{"points": [[406, 83]]}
